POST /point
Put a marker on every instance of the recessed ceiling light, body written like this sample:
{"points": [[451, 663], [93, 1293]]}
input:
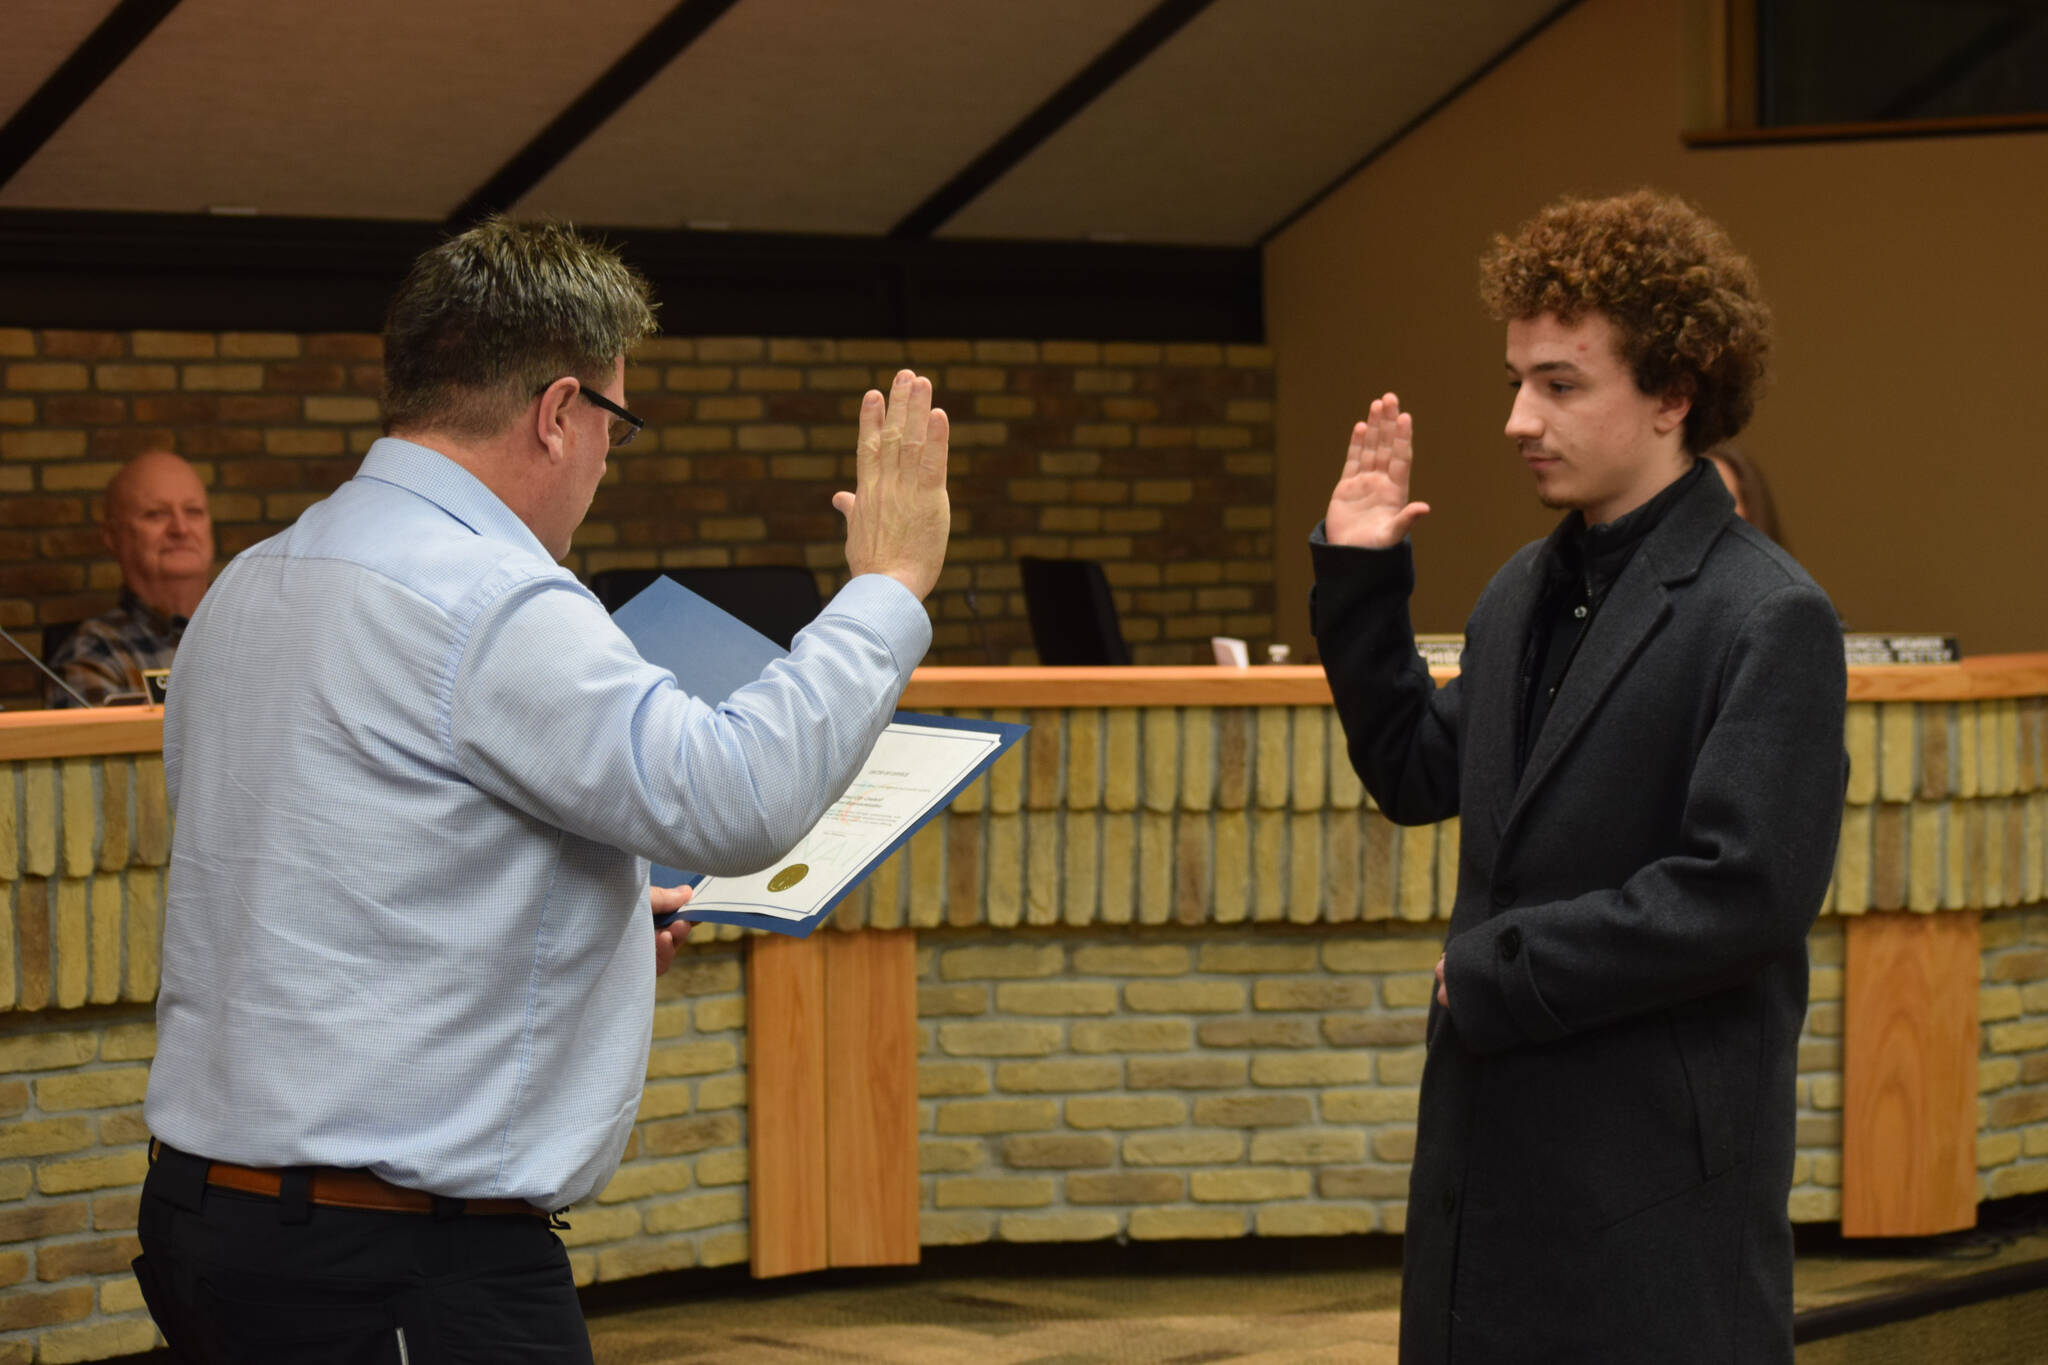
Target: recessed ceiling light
{"points": [[708, 224], [232, 210]]}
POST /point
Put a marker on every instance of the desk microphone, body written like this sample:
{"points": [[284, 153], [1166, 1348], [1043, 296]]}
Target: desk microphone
{"points": [[980, 631], [48, 672]]}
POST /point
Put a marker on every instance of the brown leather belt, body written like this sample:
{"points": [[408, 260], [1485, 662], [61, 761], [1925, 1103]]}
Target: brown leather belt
{"points": [[354, 1190]]}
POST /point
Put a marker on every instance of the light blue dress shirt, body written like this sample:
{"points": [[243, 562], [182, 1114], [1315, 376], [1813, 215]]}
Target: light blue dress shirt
{"points": [[418, 776]]}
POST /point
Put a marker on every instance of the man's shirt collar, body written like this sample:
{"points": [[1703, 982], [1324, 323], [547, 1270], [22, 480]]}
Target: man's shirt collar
{"points": [[1579, 552], [462, 495]]}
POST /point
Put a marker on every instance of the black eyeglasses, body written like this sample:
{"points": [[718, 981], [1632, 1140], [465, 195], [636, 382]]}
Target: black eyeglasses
{"points": [[625, 426]]}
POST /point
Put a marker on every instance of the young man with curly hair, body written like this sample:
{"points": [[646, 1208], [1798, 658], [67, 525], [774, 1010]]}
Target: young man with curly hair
{"points": [[1644, 743]]}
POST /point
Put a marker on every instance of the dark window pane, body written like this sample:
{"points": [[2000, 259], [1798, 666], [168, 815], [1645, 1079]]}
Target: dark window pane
{"points": [[1867, 61]]}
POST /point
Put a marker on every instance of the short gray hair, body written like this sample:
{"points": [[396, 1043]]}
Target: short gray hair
{"points": [[488, 319]]}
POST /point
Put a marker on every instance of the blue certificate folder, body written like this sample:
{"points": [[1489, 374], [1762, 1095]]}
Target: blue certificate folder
{"points": [[712, 654]]}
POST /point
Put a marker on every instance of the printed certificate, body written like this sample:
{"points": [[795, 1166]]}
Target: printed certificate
{"points": [[918, 766], [916, 769]]}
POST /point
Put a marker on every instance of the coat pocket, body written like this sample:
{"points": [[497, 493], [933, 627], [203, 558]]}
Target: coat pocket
{"points": [[1585, 1132], [1720, 1048]]}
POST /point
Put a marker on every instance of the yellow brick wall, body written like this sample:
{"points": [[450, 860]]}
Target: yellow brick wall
{"points": [[1817, 1163], [1173, 973], [72, 1155], [1076, 1084], [1169, 1083], [1204, 1083], [680, 1196], [1156, 460], [1162, 815], [83, 843], [2012, 1069], [1236, 815], [1947, 806]]}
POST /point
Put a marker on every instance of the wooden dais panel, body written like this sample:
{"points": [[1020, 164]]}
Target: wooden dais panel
{"points": [[1909, 1122], [832, 1083], [786, 1102], [871, 1097]]}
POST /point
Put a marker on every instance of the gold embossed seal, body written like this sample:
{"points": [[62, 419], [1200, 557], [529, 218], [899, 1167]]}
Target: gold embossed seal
{"points": [[788, 877]]}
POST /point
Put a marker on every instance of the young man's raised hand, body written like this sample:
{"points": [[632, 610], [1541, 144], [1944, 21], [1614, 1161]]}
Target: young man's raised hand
{"points": [[1369, 508]]}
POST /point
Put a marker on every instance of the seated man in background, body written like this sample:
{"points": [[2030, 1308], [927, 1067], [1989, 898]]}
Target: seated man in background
{"points": [[157, 523]]}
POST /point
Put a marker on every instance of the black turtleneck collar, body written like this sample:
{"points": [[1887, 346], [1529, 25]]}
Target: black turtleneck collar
{"points": [[1597, 554], [1580, 563]]}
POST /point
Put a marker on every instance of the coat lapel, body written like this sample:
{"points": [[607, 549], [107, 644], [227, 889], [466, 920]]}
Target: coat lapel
{"points": [[1493, 683], [1639, 603], [1636, 605]]}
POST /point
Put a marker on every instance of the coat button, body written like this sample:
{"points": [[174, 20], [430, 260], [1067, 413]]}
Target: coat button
{"points": [[1510, 942]]}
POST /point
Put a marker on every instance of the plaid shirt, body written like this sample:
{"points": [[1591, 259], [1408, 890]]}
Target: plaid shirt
{"points": [[106, 655]]}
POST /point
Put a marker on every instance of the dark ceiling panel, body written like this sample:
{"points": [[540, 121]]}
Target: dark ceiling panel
{"points": [[74, 82], [110, 270], [41, 34], [361, 109], [1435, 107], [1239, 117], [642, 62], [826, 116], [1190, 122], [1138, 43]]}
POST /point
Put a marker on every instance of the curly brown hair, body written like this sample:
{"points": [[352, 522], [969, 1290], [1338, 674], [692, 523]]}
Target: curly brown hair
{"points": [[1685, 305]]}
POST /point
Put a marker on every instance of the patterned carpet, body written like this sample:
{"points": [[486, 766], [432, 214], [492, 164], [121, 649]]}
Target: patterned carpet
{"points": [[1263, 1315], [1922, 1302], [1256, 1319]]}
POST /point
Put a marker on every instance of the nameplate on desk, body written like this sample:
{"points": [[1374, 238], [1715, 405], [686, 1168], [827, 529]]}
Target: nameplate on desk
{"points": [[1440, 651], [156, 682], [1901, 649]]}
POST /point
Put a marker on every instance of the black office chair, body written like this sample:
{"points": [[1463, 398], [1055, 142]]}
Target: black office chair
{"points": [[1073, 616], [776, 599]]}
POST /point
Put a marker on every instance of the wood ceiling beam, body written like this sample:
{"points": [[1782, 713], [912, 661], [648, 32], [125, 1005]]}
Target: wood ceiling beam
{"points": [[625, 78], [73, 83], [1116, 61]]}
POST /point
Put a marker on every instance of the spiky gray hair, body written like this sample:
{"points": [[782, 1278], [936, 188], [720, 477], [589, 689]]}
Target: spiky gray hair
{"points": [[488, 319]]}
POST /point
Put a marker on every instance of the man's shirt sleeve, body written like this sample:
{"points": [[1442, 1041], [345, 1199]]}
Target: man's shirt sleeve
{"points": [[552, 710]]}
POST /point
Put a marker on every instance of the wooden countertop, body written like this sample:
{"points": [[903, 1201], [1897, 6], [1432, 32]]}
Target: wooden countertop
{"points": [[80, 734], [139, 729], [1993, 675]]}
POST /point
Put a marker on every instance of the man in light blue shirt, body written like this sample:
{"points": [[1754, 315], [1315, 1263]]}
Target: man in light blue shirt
{"points": [[408, 959]]}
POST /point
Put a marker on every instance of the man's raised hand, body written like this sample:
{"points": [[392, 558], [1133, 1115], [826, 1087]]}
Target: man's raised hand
{"points": [[1369, 508], [898, 516]]}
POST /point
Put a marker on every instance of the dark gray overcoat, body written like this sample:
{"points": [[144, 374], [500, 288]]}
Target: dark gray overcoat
{"points": [[1605, 1141]]}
